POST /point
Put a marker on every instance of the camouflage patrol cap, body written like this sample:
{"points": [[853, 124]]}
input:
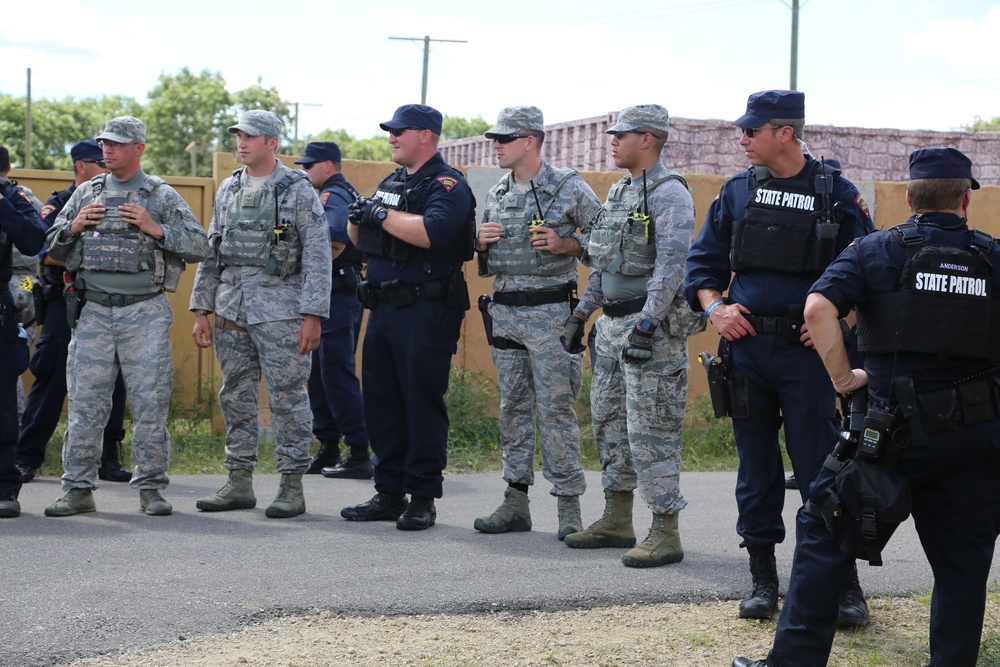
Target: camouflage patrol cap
{"points": [[651, 117], [124, 130], [517, 119], [257, 122]]}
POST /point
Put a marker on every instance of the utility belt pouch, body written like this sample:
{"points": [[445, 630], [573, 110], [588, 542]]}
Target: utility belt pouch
{"points": [[345, 280], [739, 396], [282, 262], [976, 399], [368, 295], [457, 291], [484, 308], [795, 320], [75, 300], [940, 410], [38, 298], [399, 294], [911, 410]]}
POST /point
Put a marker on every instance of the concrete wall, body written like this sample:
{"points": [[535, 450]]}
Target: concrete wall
{"points": [[710, 147]]}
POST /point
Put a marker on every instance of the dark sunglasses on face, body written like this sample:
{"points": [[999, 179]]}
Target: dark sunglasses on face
{"points": [[99, 163], [507, 138], [621, 135], [394, 132], [751, 132]]}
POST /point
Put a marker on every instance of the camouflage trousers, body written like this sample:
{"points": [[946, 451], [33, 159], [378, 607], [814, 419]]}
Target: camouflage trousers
{"points": [[271, 349], [638, 413], [26, 307], [541, 382], [136, 339]]}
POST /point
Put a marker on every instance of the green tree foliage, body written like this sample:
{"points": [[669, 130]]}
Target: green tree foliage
{"points": [[980, 125], [375, 148], [257, 97], [453, 127], [183, 122]]}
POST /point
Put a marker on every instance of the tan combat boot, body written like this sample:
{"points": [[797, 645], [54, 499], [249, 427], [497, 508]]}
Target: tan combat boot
{"points": [[614, 529], [570, 520], [512, 515], [237, 494], [153, 504], [289, 502], [76, 501], [661, 546]]}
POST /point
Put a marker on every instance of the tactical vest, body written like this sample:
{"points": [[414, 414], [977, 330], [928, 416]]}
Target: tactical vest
{"points": [[350, 254], [394, 194], [620, 241], [784, 226], [513, 253], [257, 232], [116, 246], [943, 306]]}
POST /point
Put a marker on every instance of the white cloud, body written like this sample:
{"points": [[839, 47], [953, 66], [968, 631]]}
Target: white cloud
{"points": [[970, 46]]}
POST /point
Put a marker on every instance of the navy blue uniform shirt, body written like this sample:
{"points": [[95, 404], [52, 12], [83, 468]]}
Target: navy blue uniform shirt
{"points": [[763, 292], [21, 224], [335, 199], [873, 265]]}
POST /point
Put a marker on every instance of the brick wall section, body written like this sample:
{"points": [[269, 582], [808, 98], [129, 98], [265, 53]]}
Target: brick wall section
{"points": [[710, 147]]}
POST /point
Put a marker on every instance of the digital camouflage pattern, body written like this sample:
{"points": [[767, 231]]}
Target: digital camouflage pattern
{"points": [[515, 120], [642, 117], [124, 130]]}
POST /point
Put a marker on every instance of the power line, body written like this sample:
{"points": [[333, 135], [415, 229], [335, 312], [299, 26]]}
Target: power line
{"points": [[427, 47]]}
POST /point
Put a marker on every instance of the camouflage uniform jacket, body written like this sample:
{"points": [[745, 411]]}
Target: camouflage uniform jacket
{"points": [[672, 211], [248, 294], [572, 207]]}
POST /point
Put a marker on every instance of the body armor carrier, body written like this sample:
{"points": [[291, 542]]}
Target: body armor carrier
{"points": [[619, 241], [257, 233], [393, 193], [116, 246], [350, 254], [513, 253], [785, 227], [943, 306]]}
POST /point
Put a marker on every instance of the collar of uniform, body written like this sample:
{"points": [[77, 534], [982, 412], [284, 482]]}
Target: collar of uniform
{"points": [[417, 175], [272, 178], [940, 219], [333, 179]]}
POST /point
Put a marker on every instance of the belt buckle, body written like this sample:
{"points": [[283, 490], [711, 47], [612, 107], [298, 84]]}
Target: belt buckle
{"points": [[116, 300]]}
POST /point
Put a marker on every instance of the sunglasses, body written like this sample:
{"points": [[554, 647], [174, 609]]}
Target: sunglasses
{"points": [[507, 138], [309, 165], [99, 163], [394, 132], [621, 135], [751, 132]]}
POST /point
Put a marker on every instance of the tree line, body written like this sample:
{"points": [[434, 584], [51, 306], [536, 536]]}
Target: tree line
{"points": [[186, 117]]}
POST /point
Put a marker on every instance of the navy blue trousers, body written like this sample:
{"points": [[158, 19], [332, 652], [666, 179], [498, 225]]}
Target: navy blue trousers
{"points": [[334, 389], [44, 404], [405, 363], [955, 487], [13, 362], [788, 387]]}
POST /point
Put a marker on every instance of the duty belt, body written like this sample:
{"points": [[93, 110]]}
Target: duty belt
{"points": [[625, 307], [398, 293], [775, 325], [533, 298], [118, 300]]}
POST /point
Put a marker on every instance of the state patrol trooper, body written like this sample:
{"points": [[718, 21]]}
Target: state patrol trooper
{"points": [[20, 226], [639, 387], [927, 306], [528, 241], [417, 231], [48, 363], [127, 237], [334, 390], [767, 237], [267, 279]]}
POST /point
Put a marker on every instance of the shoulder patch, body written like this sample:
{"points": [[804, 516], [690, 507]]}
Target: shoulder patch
{"points": [[324, 197], [46, 209], [863, 205], [448, 182]]}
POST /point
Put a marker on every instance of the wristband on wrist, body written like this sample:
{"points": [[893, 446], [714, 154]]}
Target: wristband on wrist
{"points": [[202, 313], [713, 306]]}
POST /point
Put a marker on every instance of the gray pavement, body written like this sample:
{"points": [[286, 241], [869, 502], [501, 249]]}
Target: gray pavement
{"points": [[117, 580]]}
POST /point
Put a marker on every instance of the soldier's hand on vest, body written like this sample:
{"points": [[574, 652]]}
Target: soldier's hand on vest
{"points": [[489, 233], [136, 215], [572, 335], [640, 344], [88, 216]]}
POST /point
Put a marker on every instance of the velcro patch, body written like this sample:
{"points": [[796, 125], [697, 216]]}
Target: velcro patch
{"points": [[863, 205], [448, 182], [47, 209], [324, 197]]}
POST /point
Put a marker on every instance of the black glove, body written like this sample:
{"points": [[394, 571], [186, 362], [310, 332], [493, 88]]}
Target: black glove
{"points": [[572, 335], [354, 210], [372, 213], [640, 343]]}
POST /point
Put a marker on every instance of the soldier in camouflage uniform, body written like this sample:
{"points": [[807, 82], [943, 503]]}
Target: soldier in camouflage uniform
{"points": [[127, 236], [267, 279], [638, 247], [528, 241]]}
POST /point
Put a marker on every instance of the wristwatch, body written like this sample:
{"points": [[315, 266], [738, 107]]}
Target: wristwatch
{"points": [[648, 326]]}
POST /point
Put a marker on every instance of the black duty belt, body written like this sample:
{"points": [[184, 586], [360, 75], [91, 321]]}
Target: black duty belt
{"points": [[775, 325], [625, 306], [532, 298], [400, 294], [118, 300]]}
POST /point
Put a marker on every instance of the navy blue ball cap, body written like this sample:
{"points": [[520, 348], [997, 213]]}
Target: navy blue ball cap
{"points": [[86, 150], [941, 163], [414, 115], [768, 104], [320, 151]]}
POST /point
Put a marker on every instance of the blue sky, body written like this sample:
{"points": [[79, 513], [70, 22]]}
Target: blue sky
{"points": [[911, 64]]}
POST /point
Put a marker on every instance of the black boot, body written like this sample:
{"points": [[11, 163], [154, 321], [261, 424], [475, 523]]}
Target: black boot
{"points": [[111, 469], [852, 610], [328, 455], [357, 466], [764, 601]]}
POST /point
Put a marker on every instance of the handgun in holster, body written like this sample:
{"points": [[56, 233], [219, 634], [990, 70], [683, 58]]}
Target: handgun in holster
{"points": [[718, 385], [730, 392]]}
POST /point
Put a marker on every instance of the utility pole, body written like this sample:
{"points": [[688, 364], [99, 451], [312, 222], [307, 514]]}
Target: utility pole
{"points": [[27, 126], [427, 49], [295, 140], [794, 74]]}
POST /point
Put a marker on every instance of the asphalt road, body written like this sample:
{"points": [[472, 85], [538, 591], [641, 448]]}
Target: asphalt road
{"points": [[117, 579]]}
